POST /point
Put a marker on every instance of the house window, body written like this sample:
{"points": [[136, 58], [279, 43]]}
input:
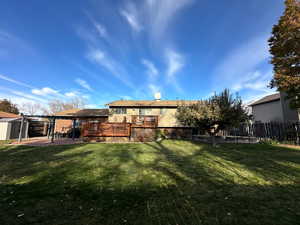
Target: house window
{"points": [[78, 123], [120, 111], [162, 111], [143, 112]]}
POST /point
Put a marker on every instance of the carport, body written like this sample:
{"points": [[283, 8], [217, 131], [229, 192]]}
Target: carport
{"points": [[52, 119]]}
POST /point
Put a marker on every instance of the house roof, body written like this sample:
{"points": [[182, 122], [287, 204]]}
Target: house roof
{"points": [[10, 119], [150, 103], [8, 115], [84, 112], [266, 99]]}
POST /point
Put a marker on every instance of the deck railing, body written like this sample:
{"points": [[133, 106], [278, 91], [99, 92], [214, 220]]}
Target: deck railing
{"points": [[144, 121], [97, 129]]}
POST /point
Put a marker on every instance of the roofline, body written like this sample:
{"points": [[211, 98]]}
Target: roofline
{"points": [[176, 100], [64, 117], [260, 103], [143, 106]]}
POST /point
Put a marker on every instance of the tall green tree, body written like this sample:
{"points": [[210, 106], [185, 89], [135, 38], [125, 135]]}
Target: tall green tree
{"points": [[285, 49], [8, 106], [217, 113]]}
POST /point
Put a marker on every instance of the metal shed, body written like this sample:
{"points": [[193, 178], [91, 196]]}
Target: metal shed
{"points": [[10, 128]]}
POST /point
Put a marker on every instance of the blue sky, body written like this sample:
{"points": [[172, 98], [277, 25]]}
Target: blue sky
{"points": [[106, 50]]}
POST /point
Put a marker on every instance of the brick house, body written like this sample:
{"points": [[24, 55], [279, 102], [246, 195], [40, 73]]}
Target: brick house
{"points": [[163, 110], [149, 116], [126, 120], [65, 125]]}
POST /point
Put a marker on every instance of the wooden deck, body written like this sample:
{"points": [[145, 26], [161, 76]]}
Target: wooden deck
{"points": [[96, 129], [105, 129], [145, 121]]}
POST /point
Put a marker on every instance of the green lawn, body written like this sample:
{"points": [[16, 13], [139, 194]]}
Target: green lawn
{"points": [[172, 182]]}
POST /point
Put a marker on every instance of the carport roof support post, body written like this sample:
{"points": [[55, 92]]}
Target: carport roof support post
{"points": [[21, 128], [73, 129], [52, 129]]}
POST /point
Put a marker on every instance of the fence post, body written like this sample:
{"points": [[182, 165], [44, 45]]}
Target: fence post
{"points": [[297, 133]]}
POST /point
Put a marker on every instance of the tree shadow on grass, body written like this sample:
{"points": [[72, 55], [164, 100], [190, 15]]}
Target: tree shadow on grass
{"points": [[21, 161], [103, 188]]}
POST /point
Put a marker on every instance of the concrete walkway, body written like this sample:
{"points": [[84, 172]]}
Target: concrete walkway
{"points": [[44, 141]]}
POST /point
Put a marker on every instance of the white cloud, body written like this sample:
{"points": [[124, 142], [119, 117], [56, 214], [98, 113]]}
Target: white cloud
{"points": [[96, 76], [101, 30], [86, 96], [241, 63], [19, 94], [152, 73], [175, 62], [45, 91], [125, 97], [91, 106], [154, 16], [254, 86], [154, 88], [99, 57], [71, 94], [151, 69], [83, 84], [130, 13], [259, 81], [21, 101], [161, 13], [3, 77], [28, 96], [12, 46], [254, 81]]}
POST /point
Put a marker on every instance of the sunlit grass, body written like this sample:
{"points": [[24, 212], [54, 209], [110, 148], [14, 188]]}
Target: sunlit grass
{"points": [[169, 182]]}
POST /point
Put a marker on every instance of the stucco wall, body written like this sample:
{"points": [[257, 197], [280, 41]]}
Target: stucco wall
{"points": [[271, 111], [166, 119]]}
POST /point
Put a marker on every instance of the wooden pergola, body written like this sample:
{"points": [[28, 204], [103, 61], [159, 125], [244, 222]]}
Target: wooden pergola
{"points": [[52, 119]]}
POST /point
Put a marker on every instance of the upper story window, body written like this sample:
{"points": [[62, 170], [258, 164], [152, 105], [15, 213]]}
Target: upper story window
{"points": [[143, 112], [162, 111], [120, 111]]}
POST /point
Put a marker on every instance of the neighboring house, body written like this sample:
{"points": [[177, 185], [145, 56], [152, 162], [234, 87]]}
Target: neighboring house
{"points": [[162, 111], [10, 126], [65, 125], [273, 107], [8, 115], [38, 127]]}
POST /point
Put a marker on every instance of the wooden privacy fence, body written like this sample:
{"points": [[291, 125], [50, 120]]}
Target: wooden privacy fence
{"points": [[278, 131], [96, 129]]}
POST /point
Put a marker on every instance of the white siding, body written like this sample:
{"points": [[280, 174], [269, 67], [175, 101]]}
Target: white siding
{"points": [[4, 130]]}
